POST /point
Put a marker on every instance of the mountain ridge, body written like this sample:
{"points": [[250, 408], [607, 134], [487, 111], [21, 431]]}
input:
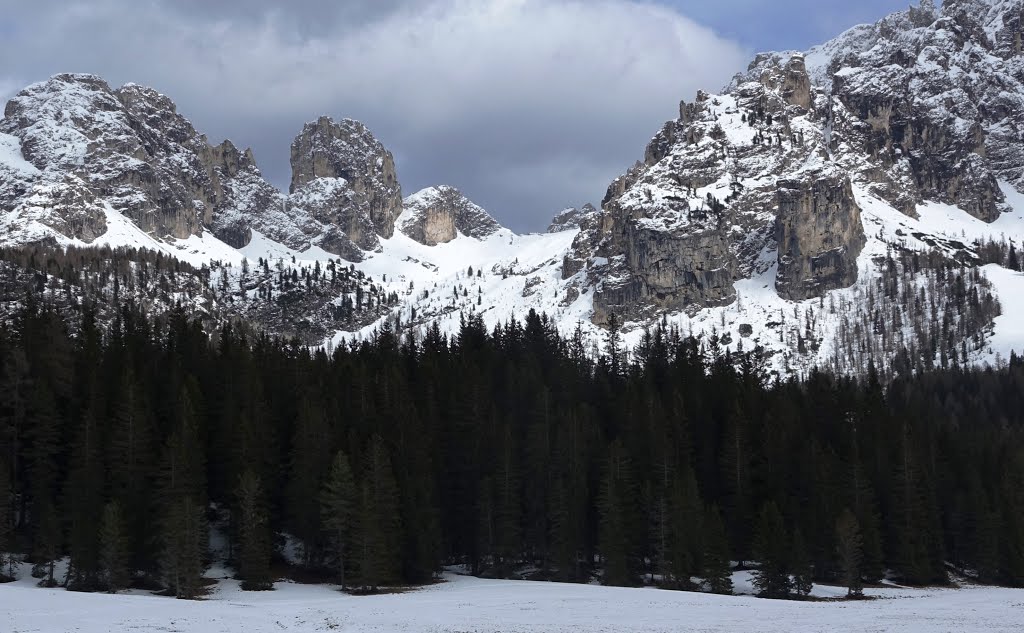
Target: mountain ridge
{"points": [[805, 183]]}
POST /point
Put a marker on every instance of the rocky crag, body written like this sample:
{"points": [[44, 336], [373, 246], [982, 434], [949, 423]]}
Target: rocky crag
{"points": [[80, 149], [924, 105], [794, 211], [437, 215]]}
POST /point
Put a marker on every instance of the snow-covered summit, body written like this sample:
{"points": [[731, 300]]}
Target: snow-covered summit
{"points": [[813, 208], [437, 215], [781, 180], [572, 218], [126, 150]]}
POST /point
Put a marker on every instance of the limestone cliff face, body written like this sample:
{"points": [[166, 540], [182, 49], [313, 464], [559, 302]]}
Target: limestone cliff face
{"points": [[438, 215], [346, 150], [819, 235], [669, 271], [80, 149], [572, 218], [92, 147], [925, 105], [344, 194]]}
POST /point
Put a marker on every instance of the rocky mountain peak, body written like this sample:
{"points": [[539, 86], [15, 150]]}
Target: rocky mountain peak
{"points": [[345, 193], [921, 106], [345, 149], [437, 215], [572, 218], [76, 149], [97, 148]]}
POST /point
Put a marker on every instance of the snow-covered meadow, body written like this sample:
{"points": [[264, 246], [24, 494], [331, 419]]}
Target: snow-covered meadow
{"points": [[466, 604]]}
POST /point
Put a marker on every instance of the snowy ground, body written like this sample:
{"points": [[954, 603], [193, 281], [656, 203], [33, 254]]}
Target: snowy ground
{"points": [[463, 604]]}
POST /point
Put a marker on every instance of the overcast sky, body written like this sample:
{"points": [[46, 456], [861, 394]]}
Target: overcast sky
{"points": [[528, 106]]}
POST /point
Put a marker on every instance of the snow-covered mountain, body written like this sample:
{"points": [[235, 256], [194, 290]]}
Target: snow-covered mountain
{"points": [[859, 201]]}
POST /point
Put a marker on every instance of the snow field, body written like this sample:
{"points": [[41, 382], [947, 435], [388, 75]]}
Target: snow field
{"points": [[465, 604]]}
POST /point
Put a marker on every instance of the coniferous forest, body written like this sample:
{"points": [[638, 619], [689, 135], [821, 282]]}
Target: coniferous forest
{"points": [[514, 452]]}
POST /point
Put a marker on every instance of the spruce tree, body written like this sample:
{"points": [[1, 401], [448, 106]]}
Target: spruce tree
{"points": [[43, 470], [915, 525], [184, 531], [184, 539], [6, 526], [617, 527], [338, 506], [114, 554], [84, 506], [771, 546], [507, 508], [735, 476], [570, 502], [379, 525], [132, 455], [687, 525], [800, 565], [716, 561], [850, 549], [46, 543], [254, 534], [310, 459]]}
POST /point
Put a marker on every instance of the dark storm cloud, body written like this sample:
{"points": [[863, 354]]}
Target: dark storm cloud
{"points": [[527, 105]]}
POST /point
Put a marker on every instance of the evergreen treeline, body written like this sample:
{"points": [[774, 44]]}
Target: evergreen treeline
{"points": [[305, 300], [922, 311], [511, 451]]}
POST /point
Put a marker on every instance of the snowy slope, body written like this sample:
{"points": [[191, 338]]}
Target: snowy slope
{"points": [[484, 606], [834, 112]]}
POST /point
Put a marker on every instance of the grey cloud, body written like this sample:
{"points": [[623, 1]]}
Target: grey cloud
{"points": [[527, 105]]}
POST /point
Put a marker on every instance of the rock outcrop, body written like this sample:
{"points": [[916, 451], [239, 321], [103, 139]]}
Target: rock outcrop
{"points": [[925, 105], [344, 194], [346, 151], [572, 218], [819, 235], [93, 148], [74, 149], [438, 215]]}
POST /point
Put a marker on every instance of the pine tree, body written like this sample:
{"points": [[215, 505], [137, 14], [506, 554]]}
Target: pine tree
{"points": [[6, 526], [771, 579], [46, 543], [717, 568], [43, 473], [736, 473], [379, 525], [310, 458], [800, 564], [184, 539], [617, 527], [687, 519], [131, 454], [254, 537], [850, 548], [338, 505], [507, 504], [114, 555], [84, 507], [915, 526], [184, 535]]}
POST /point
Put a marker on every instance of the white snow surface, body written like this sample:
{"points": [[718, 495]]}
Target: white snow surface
{"points": [[11, 157], [462, 604]]}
